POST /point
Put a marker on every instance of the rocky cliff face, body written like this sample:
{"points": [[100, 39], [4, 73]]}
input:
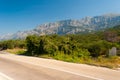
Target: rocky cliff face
{"points": [[87, 24]]}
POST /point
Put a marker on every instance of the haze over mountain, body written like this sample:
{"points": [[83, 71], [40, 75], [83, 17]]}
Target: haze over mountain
{"points": [[87, 24]]}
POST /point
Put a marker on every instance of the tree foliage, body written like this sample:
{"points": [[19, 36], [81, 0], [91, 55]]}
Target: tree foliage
{"points": [[74, 45], [10, 44]]}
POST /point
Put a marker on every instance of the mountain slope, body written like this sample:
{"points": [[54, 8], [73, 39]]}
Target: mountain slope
{"points": [[87, 24]]}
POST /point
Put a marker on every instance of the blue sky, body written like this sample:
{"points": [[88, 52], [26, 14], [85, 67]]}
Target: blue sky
{"points": [[20, 15]]}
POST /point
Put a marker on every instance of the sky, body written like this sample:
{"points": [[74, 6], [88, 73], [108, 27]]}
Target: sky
{"points": [[20, 15]]}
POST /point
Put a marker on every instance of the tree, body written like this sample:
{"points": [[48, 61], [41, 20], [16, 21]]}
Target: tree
{"points": [[111, 36], [32, 44]]}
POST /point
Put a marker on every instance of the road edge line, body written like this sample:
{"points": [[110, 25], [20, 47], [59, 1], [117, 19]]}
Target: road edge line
{"points": [[2, 74], [62, 70]]}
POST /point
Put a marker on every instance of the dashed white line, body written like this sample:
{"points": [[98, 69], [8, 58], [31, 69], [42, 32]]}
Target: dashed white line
{"points": [[5, 77]]}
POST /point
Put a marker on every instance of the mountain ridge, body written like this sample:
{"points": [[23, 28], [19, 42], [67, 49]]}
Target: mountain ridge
{"points": [[87, 24]]}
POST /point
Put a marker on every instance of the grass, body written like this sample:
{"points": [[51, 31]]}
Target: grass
{"points": [[16, 51], [109, 62], [112, 62]]}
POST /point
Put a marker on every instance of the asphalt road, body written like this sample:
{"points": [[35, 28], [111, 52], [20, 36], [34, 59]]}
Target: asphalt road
{"points": [[32, 68]]}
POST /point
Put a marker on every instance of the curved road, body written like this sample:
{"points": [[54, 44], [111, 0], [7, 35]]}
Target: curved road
{"points": [[32, 68]]}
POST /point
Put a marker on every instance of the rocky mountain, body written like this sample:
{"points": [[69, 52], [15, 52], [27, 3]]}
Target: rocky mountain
{"points": [[87, 24]]}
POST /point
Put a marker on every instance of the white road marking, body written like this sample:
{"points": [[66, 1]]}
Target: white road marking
{"points": [[72, 73], [62, 70], [5, 77]]}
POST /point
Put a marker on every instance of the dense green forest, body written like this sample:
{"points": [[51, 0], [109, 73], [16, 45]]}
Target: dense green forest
{"points": [[72, 47]]}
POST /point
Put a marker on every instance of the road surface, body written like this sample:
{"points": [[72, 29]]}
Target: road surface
{"points": [[31, 68]]}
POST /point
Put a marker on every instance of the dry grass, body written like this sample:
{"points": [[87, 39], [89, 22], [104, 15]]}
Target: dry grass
{"points": [[16, 51], [109, 62]]}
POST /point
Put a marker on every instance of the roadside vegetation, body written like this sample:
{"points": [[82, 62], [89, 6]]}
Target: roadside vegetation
{"points": [[18, 51], [92, 48]]}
